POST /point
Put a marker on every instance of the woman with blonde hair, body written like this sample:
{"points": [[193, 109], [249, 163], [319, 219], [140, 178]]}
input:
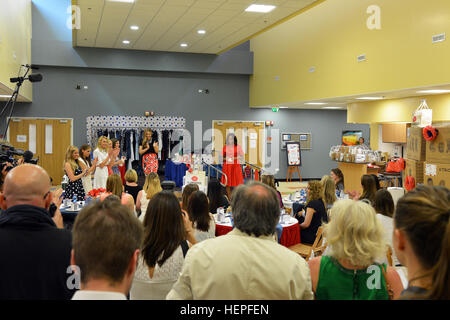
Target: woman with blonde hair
{"points": [[315, 212], [131, 185], [151, 187], [149, 152], [114, 186], [75, 171], [329, 191], [102, 158], [422, 241], [349, 272]]}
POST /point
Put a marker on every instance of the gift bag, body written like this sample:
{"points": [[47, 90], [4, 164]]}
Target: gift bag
{"points": [[423, 115], [395, 166]]}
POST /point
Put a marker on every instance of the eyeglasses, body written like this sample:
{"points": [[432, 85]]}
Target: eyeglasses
{"points": [[45, 195]]}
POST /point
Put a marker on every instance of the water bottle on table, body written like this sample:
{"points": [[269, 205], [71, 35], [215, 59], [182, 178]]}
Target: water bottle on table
{"points": [[74, 202]]}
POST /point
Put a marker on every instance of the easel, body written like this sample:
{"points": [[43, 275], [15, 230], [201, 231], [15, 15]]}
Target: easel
{"points": [[294, 160], [291, 170]]}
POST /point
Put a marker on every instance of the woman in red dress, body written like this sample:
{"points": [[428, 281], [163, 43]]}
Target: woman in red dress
{"points": [[232, 154]]}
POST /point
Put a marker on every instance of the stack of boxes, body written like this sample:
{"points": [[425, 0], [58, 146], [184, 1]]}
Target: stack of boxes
{"points": [[415, 155], [428, 161], [437, 165]]}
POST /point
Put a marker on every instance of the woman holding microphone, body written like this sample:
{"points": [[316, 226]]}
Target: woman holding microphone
{"points": [[149, 152]]}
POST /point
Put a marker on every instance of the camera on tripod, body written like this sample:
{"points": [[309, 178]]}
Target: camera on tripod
{"points": [[7, 154]]}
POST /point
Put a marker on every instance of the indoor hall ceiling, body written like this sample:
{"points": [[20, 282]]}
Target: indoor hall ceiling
{"points": [[166, 24], [341, 103]]}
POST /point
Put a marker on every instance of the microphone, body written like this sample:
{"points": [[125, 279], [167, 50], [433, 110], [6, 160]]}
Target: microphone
{"points": [[18, 79], [31, 66], [35, 77]]}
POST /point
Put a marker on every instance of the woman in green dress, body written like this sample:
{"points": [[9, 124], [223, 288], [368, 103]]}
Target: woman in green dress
{"points": [[349, 272]]}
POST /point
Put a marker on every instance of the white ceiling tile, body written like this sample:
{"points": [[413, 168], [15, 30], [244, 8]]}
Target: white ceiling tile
{"points": [[164, 24]]}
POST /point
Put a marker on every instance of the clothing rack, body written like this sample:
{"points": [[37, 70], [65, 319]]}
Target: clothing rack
{"points": [[126, 124]]}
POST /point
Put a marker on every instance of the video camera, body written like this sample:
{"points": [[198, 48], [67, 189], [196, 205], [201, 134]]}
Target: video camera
{"points": [[8, 152]]}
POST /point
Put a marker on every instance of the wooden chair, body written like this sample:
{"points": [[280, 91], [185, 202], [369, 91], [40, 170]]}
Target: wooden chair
{"points": [[389, 255], [305, 250], [319, 251]]}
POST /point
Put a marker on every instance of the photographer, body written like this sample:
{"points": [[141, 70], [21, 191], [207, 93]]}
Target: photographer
{"points": [[5, 168]]}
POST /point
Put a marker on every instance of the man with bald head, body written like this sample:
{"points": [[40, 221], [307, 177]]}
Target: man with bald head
{"points": [[34, 247], [247, 263]]}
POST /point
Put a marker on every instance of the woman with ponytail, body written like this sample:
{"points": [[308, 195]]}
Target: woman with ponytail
{"points": [[422, 242]]}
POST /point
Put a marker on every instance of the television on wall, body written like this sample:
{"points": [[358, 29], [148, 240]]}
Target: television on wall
{"points": [[351, 137]]}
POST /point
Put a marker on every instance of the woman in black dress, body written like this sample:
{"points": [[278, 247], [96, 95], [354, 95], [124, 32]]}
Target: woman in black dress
{"points": [[149, 152], [315, 213], [75, 170]]}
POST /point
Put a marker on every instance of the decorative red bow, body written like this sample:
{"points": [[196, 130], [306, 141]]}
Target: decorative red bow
{"points": [[430, 133]]}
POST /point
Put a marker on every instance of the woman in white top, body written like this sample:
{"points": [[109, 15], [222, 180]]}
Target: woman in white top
{"points": [[168, 234], [151, 187], [202, 220], [101, 157], [85, 157], [384, 206]]}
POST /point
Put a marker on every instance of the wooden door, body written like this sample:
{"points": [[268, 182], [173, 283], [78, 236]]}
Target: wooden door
{"points": [[48, 139], [250, 136]]}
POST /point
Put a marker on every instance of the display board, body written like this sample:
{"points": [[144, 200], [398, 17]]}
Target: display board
{"points": [[293, 154], [303, 138]]}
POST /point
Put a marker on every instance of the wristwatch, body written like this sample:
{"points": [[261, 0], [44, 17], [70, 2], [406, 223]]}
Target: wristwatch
{"points": [[52, 209]]}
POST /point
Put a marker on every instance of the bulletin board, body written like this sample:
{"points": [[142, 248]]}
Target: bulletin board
{"points": [[293, 154], [303, 138]]}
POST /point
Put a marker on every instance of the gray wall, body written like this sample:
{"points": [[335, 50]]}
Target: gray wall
{"points": [[114, 92], [131, 82]]}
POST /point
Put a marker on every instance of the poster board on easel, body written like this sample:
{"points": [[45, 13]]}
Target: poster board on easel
{"points": [[293, 154]]}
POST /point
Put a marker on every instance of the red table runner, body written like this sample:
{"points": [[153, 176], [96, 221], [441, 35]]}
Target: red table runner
{"points": [[289, 236]]}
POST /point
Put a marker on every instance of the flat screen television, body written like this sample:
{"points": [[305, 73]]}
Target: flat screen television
{"points": [[351, 137]]}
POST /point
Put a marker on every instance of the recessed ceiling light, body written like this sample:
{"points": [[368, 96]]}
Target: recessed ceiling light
{"points": [[5, 96], [331, 107], [126, 42], [184, 45], [201, 31], [434, 91], [284, 107], [134, 28], [128, 1], [260, 8], [370, 98], [316, 103]]}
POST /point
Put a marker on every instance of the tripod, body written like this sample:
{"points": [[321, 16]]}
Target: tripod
{"points": [[12, 100]]}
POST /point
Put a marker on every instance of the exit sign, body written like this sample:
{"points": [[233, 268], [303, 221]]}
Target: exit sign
{"points": [[275, 109]]}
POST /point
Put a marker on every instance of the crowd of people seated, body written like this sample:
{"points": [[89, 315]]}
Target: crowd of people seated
{"points": [[145, 243]]}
